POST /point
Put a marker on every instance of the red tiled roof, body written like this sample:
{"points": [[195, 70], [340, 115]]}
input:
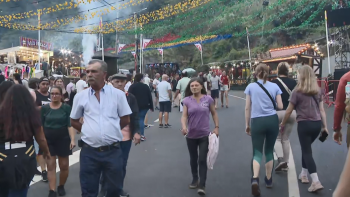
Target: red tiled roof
{"points": [[286, 52]]}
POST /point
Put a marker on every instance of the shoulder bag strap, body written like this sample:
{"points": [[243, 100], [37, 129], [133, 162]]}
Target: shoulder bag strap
{"points": [[285, 86], [268, 94]]}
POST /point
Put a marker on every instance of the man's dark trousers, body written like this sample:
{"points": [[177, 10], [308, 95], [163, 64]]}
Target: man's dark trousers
{"points": [[125, 146], [93, 163]]}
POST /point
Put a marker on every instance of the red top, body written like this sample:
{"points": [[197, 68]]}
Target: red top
{"points": [[224, 80], [340, 101]]}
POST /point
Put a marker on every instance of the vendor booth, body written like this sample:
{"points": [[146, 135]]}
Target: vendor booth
{"points": [[26, 56], [296, 56]]}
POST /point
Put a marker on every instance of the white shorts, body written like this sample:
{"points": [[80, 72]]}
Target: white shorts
{"points": [[223, 87]]}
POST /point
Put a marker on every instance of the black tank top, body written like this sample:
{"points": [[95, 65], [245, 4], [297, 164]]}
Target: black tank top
{"points": [[41, 99]]}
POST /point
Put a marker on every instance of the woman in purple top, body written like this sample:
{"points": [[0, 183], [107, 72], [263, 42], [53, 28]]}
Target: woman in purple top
{"points": [[195, 126], [306, 99]]}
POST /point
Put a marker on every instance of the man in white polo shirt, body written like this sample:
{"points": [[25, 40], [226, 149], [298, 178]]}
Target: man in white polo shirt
{"points": [[164, 92], [81, 84]]}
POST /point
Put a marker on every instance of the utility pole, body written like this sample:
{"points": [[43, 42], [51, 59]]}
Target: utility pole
{"points": [[117, 39], [136, 43]]}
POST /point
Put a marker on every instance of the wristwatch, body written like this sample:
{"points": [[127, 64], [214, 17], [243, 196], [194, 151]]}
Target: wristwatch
{"points": [[216, 126]]}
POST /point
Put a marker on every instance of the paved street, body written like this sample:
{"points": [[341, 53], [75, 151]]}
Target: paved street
{"points": [[159, 167]]}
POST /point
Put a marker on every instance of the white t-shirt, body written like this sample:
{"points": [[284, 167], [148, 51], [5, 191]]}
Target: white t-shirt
{"points": [[215, 82], [163, 88], [146, 80], [156, 82], [127, 85], [81, 85]]}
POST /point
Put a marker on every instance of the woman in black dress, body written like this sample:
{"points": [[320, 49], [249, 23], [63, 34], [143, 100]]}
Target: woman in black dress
{"points": [[19, 122]]}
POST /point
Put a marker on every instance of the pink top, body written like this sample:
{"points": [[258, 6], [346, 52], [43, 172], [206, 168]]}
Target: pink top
{"points": [[126, 133]]}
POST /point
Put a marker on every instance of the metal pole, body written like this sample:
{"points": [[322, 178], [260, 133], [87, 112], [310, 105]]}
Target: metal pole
{"points": [[201, 50], [103, 50], [116, 38], [39, 68], [250, 59], [141, 52], [329, 60], [135, 41], [162, 55]]}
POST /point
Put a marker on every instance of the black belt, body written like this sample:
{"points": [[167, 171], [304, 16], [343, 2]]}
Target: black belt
{"points": [[103, 148]]}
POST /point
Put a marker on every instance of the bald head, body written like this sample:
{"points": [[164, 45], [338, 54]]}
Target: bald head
{"points": [[157, 75], [164, 77]]}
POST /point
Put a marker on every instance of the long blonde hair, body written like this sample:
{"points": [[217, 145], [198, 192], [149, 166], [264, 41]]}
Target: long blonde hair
{"points": [[262, 72], [307, 82]]}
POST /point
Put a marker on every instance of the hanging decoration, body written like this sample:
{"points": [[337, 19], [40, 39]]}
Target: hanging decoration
{"points": [[120, 47], [134, 54], [199, 47], [160, 14], [160, 51], [145, 43], [6, 19]]}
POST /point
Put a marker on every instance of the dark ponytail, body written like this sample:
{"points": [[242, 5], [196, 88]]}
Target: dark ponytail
{"points": [[262, 72]]}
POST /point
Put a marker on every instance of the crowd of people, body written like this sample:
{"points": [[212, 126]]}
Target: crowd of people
{"points": [[39, 121]]}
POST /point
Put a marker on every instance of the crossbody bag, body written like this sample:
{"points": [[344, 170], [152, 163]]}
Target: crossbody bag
{"points": [[268, 94], [285, 86]]}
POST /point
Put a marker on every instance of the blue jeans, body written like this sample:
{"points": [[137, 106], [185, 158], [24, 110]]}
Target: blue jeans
{"points": [[93, 163], [125, 146], [142, 115]]}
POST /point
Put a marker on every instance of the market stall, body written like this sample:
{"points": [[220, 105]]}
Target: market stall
{"points": [[298, 55]]}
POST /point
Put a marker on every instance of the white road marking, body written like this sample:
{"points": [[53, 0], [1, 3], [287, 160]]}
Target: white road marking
{"points": [[73, 159], [293, 186], [157, 119], [237, 97]]}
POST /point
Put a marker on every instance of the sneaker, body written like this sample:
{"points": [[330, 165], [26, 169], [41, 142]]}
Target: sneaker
{"points": [[167, 125], [160, 125], [44, 176], [268, 183], [61, 191], [255, 187], [201, 191], [52, 193], [38, 172], [194, 184], [283, 166], [143, 138], [147, 126], [315, 186], [157, 108], [124, 194], [303, 179]]}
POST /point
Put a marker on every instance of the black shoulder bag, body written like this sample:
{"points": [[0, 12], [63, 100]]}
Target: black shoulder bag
{"points": [[268, 94]]}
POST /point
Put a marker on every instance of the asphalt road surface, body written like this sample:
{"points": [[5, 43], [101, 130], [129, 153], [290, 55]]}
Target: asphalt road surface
{"points": [[159, 167]]}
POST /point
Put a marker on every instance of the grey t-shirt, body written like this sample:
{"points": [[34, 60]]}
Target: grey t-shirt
{"points": [[215, 82], [306, 106]]}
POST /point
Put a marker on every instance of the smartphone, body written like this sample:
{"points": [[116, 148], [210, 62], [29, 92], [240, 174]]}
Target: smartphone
{"points": [[323, 136]]}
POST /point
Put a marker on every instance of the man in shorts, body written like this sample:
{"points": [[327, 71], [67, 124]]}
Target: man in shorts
{"points": [[215, 88], [164, 92]]}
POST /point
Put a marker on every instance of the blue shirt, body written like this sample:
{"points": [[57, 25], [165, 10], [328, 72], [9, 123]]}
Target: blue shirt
{"points": [[260, 101], [101, 119]]}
